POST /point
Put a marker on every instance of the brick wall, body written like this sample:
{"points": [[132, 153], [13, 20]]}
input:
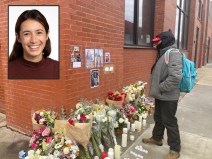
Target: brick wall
{"points": [[89, 24], [170, 15], [137, 65]]}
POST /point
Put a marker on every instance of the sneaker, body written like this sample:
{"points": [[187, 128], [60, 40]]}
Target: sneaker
{"points": [[172, 155], [152, 141]]}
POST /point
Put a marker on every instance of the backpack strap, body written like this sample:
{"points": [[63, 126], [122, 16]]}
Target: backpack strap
{"points": [[167, 55]]}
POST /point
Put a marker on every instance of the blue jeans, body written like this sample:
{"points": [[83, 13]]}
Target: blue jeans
{"points": [[164, 117]]}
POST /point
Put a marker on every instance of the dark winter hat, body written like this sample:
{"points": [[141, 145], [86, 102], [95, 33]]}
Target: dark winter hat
{"points": [[167, 39]]}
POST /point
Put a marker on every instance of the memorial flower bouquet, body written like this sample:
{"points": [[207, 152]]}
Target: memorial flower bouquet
{"points": [[144, 105], [115, 99], [80, 124], [82, 112], [42, 141], [121, 120], [43, 118], [64, 147], [130, 112], [134, 91]]}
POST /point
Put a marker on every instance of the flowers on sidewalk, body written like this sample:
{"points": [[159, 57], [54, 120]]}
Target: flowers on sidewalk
{"points": [[115, 99], [43, 117], [42, 141]]}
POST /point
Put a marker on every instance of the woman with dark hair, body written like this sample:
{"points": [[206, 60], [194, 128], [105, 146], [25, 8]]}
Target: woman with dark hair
{"points": [[29, 57]]}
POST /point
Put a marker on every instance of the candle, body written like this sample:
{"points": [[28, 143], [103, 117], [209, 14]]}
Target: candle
{"points": [[117, 149], [125, 130], [110, 155], [140, 118], [128, 125], [124, 140], [110, 150], [136, 125], [144, 122], [132, 137], [139, 126], [133, 127]]}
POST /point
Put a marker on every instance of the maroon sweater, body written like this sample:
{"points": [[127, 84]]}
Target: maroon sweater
{"points": [[22, 69]]}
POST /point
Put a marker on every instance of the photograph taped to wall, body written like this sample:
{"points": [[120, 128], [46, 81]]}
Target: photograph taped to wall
{"points": [[94, 73], [33, 48], [98, 57], [107, 57], [89, 58]]}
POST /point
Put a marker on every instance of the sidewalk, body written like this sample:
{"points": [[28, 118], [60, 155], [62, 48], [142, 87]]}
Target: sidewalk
{"points": [[194, 119]]}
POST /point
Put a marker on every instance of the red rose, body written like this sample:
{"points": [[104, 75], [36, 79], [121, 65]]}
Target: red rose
{"points": [[71, 121], [83, 117], [118, 98]]}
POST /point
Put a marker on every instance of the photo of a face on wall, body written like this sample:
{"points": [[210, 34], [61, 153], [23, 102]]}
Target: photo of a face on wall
{"points": [[94, 78], [33, 34], [89, 58], [98, 57], [107, 57]]}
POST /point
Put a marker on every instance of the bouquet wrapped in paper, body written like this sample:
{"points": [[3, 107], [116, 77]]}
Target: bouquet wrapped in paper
{"points": [[115, 99], [43, 118]]}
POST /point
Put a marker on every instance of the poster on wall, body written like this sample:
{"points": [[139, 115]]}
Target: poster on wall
{"points": [[98, 57], [89, 58], [107, 57], [94, 74]]}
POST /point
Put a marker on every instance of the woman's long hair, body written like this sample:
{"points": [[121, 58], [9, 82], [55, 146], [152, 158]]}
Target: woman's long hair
{"points": [[34, 15]]}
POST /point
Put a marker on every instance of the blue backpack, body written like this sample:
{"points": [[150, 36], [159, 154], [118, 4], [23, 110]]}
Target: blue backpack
{"points": [[189, 73]]}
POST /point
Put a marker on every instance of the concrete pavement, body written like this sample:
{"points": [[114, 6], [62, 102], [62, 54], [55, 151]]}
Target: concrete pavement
{"points": [[194, 119]]}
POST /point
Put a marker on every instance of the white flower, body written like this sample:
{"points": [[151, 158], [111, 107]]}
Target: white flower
{"points": [[66, 150], [87, 117], [41, 113], [41, 121], [79, 105], [57, 146], [112, 113], [130, 99], [56, 153], [133, 96], [78, 117], [116, 124], [121, 120], [139, 83], [38, 151], [104, 119]]}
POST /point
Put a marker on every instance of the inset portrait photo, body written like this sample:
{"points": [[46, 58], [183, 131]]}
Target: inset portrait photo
{"points": [[33, 42]]}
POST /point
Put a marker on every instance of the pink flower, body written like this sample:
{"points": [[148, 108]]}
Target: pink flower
{"points": [[132, 109], [46, 132], [34, 145], [49, 139], [32, 140]]}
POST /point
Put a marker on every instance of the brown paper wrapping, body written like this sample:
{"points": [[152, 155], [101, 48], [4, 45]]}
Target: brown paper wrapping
{"points": [[35, 125], [80, 132], [117, 104]]}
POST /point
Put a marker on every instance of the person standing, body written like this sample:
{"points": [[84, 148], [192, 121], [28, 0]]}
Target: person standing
{"points": [[165, 79]]}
